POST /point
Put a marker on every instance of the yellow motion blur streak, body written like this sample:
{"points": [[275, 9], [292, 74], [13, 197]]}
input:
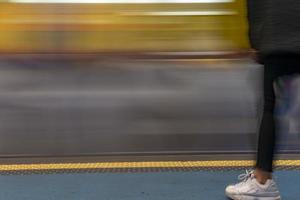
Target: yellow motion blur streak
{"points": [[94, 28], [160, 164]]}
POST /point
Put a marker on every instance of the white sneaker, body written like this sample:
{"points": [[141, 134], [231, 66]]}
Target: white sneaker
{"points": [[250, 189]]}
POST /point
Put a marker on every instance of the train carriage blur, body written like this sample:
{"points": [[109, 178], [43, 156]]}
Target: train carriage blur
{"points": [[120, 105]]}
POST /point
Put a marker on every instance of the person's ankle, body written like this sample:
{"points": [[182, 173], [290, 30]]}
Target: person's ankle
{"points": [[262, 176]]}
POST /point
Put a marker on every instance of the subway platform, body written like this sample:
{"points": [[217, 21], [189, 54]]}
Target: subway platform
{"points": [[117, 179]]}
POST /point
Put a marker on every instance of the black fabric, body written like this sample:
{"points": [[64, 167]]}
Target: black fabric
{"points": [[274, 26], [276, 66]]}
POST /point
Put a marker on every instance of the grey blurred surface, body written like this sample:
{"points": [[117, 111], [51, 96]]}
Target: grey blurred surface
{"points": [[133, 107]]}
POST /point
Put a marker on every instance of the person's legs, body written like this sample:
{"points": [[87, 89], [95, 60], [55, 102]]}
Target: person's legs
{"points": [[258, 184], [275, 67], [267, 132]]}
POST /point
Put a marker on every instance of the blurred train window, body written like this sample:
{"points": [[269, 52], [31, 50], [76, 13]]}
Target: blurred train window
{"points": [[122, 1]]}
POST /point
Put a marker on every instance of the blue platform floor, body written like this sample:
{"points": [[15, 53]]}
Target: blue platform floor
{"points": [[206, 185]]}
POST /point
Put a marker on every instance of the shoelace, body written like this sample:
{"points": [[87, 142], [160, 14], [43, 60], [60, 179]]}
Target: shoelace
{"points": [[244, 177]]}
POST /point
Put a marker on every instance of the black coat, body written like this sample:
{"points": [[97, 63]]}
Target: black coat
{"points": [[274, 26]]}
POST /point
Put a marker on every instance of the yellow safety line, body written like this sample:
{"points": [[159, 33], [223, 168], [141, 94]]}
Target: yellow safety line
{"points": [[159, 164]]}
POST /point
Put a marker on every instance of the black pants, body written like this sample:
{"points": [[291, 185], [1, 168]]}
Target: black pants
{"points": [[276, 66]]}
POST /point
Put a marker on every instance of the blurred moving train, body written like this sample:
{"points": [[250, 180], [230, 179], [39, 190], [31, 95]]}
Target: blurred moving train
{"points": [[128, 106], [58, 26]]}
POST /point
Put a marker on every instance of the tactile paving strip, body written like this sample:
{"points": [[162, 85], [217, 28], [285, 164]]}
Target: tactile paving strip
{"points": [[134, 167]]}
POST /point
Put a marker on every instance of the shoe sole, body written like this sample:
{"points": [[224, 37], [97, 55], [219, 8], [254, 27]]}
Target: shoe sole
{"points": [[239, 197]]}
